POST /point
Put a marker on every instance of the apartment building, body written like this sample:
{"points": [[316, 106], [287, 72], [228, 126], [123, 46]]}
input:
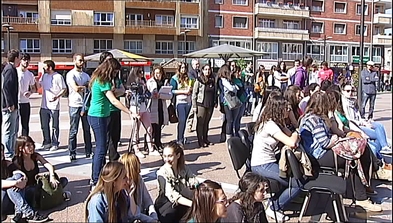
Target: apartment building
{"points": [[57, 29]]}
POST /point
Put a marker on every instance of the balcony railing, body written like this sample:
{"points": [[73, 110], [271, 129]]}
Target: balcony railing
{"points": [[61, 22], [149, 24], [281, 30], [191, 1], [281, 33], [19, 20]]}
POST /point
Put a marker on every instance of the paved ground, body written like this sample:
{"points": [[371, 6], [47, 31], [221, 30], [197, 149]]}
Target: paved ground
{"points": [[207, 163]]}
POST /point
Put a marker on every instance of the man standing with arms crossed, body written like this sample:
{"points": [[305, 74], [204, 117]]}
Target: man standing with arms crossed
{"points": [[369, 88], [77, 82], [27, 86], [9, 101], [193, 74]]}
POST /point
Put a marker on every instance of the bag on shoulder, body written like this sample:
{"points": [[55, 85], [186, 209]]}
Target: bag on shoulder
{"points": [[48, 197], [172, 114], [232, 100]]}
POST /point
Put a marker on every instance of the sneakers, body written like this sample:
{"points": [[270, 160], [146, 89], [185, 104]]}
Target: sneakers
{"points": [[54, 148], [18, 217], [154, 153], [44, 147], [72, 158], [280, 216], [67, 195], [37, 218], [386, 150], [369, 206]]}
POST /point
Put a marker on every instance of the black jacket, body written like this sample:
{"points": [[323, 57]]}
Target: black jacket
{"points": [[10, 87]]}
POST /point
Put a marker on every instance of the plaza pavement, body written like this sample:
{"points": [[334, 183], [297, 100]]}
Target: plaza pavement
{"points": [[207, 163]]}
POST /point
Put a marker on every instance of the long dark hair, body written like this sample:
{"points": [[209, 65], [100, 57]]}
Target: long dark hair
{"points": [[203, 79], [290, 95], [274, 110], [4, 172], [248, 185], [21, 142], [183, 77], [134, 76], [178, 149], [268, 90], [317, 105], [106, 71]]}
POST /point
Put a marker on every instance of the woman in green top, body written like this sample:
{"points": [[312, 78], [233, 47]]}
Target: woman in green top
{"points": [[242, 95], [102, 96]]}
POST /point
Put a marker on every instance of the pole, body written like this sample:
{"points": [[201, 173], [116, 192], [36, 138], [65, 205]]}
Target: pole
{"points": [[359, 93], [8, 39], [185, 46], [324, 48]]}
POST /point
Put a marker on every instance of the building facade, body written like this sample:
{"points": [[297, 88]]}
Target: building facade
{"points": [[57, 29]]}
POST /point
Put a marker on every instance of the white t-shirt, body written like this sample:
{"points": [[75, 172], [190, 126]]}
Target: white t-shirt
{"points": [[257, 112], [26, 79], [265, 145], [51, 84], [290, 73], [75, 99]]}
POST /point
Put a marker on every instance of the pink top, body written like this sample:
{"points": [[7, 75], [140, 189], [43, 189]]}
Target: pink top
{"points": [[325, 74]]}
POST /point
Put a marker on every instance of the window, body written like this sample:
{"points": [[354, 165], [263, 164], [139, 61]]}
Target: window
{"points": [[61, 46], [133, 46], [164, 47], [317, 52], [60, 17], [102, 45], [270, 50], [377, 54], [292, 51], [291, 24], [182, 47], [30, 45], [379, 9], [356, 51], [339, 54], [340, 7], [31, 17], [317, 27], [267, 23], [189, 22], [134, 19], [240, 43], [165, 20], [2, 46], [317, 6], [339, 28], [218, 22], [240, 22], [218, 2], [357, 30], [239, 2], [359, 9], [103, 19]]}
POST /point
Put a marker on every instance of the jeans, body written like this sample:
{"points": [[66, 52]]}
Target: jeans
{"points": [[114, 130], [378, 134], [365, 98], [271, 171], [182, 113], [156, 134], [190, 119], [238, 118], [100, 130], [9, 130], [204, 116], [24, 112], [230, 116], [75, 117], [45, 116], [16, 198]]}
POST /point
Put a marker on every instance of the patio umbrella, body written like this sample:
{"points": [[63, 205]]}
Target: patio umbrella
{"points": [[224, 52], [120, 55]]}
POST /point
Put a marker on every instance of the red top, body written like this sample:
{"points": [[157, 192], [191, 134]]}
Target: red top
{"points": [[325, 74]]}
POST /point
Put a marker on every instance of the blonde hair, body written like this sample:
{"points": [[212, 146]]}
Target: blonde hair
{"points": [[133, 167]]}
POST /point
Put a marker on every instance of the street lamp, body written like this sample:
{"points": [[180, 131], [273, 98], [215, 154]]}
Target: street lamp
{"points": [[359, 93], [324, 45], [185, 41], [9, 28]]}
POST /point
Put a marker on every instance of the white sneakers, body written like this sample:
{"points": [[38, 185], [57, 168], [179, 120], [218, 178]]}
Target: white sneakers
{"points": [[386, 150], [369, 206]]}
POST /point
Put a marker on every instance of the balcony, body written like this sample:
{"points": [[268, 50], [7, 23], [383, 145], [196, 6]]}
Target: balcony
{"points": [[383, 19], [280, 33], [387, 3], [149, 27], [152, 4], [281, 10], [22, 24], [382, 40]]}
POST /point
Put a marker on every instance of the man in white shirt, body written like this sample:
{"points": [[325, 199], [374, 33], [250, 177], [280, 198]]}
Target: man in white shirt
{"points": [[27, 86], [77, 82], [53, 87], [292, 71]]}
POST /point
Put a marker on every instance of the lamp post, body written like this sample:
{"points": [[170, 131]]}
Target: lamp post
{"points": [[324, 45], [185, 42], [359, 93], [9, 28]]}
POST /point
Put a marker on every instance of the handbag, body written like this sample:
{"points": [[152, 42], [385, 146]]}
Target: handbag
{"points": [[172, 114], [233, 102], [48, 197]]}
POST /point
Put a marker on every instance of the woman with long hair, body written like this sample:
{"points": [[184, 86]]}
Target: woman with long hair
{"points": [[158, 106], [182, 89], [317, 140], [246, 206], [270, 130], [270, 80], [108, 201], [204, 99], [242, 95], [209, 203], [280, 74], [141, 204], [138, 98], [308, 91], [175, 181], [293, 95], [102, 96], [259, 108]]}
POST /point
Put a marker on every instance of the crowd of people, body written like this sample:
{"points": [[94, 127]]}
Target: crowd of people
{"points": [[288, 107]]}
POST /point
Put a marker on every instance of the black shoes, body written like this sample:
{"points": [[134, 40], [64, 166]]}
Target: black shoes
{"points": [[33, 217], [72, 158], [18, 218]]}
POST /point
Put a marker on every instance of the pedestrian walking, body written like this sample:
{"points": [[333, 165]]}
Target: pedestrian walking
{"points": [[369, 86]]}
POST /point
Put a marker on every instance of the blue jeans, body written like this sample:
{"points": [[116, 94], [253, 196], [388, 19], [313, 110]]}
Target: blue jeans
{"points": [[238, 118], [182, 113], [271, 171], [230, 116], [365, 98], [74, 126], [378, 134], [99, 126], [45, 116], [14, 198], [9, 130]]}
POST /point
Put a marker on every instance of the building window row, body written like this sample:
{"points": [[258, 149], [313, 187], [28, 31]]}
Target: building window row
{"points": [[234, 2], [237, 22], [338, 28], [239, 43], [339, 7]]}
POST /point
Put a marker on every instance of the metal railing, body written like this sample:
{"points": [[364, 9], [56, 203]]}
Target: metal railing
{"points": [[19, 20], [282, 30], [190, 1], [150, 23]]}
